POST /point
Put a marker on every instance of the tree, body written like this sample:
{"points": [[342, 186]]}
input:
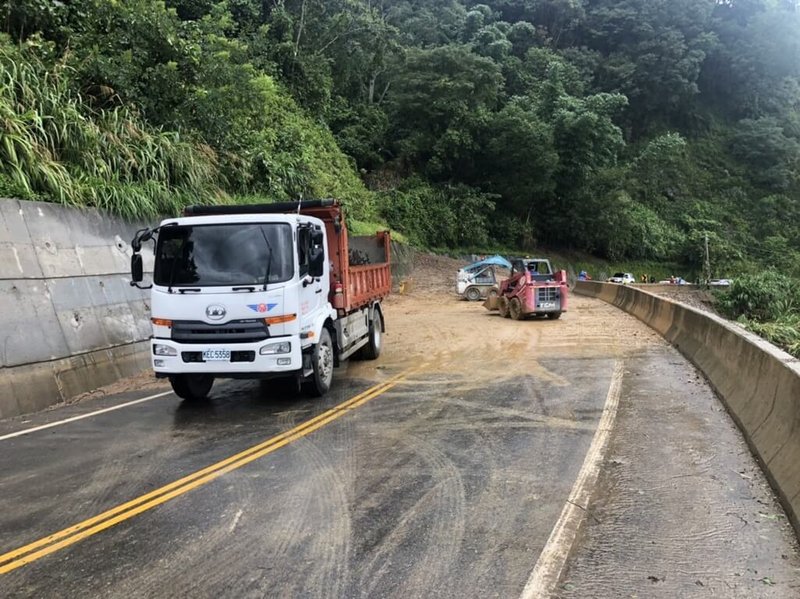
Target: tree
{"points": [[436, 94]]}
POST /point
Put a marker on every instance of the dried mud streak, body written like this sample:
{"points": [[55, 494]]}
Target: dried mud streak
{"points": [[473, 350], [210, 570], [437, 545], [682, 509], [330, 549]]}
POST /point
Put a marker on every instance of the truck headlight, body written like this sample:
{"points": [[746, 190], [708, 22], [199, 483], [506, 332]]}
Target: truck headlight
{"points": [[164, 350], [284, 347]]}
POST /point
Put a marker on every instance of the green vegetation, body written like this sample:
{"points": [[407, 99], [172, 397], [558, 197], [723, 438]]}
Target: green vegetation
{"points": [[51, 147], [126, 107], [769, 305], [628, 130]]}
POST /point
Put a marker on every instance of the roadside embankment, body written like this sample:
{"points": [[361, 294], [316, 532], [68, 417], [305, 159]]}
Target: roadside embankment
{"points": [[69, 320], [758, 383]]}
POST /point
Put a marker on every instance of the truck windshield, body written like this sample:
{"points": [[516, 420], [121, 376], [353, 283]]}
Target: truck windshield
{"points": [[222, 255]]}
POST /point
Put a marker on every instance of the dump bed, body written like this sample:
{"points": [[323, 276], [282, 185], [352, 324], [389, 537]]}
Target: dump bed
{"points": [[360, 265]]}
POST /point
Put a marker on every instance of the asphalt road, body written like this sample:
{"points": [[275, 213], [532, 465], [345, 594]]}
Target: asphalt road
{"points": [[418, 476]]}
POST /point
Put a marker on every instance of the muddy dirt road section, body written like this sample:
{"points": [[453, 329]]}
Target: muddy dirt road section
{"points": [[438, 471]]}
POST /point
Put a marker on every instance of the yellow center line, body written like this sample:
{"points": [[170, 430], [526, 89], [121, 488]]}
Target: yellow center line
{"points": [[63, 538]]}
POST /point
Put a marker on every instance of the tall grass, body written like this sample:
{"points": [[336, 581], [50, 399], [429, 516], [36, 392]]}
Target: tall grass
{"points": [[768, 304], [54, 147], [784, 332]]}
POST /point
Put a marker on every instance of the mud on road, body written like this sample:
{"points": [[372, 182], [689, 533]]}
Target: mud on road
{"points": [[447, 484], [681, 507]]}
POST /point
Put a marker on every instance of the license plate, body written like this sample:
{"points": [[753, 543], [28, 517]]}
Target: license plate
{"points": [[217, 355], [548, 304]]}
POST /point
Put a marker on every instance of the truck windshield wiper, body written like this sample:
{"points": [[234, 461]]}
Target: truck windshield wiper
{"points": [[189, 289], [269, 260]]}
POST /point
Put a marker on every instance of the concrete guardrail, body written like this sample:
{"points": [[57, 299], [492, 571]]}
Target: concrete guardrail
{"points": [[758, 383]]}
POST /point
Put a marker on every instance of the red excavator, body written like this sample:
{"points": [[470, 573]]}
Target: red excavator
{"points": [[533, 289]]}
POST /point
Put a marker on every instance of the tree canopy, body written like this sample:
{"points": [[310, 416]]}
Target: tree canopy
{"points": [[627, 128]]}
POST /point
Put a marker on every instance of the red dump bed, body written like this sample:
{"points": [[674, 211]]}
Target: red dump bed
{"points": [[361, 284]]}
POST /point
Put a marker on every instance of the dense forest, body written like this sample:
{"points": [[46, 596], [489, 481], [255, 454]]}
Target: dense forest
{"points": [[629, 129]]}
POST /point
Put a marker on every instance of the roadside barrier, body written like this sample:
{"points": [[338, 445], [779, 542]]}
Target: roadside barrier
{"points": [[69, 320], [758, 383]]}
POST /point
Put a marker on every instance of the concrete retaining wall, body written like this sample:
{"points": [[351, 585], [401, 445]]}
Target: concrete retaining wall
{"points": [[759, 384], [69, 320]]}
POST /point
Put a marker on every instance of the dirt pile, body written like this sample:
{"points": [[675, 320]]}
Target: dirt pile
{"points": [[433, 274], [701, 299], [464, 342]]}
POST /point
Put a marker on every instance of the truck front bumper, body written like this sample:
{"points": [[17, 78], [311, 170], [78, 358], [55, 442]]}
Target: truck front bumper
{"points": [[244, 358]]}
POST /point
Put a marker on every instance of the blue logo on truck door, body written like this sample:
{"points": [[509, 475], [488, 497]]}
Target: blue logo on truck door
{"points": [[261, 307]]}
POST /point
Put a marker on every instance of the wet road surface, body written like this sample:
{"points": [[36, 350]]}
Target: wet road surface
{"points": [[446, 484]]}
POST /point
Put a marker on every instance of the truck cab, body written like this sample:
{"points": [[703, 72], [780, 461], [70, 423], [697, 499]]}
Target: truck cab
{"points": [[247, 295]]}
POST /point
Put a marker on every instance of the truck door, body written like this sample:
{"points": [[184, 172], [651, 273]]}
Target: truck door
{"points": [[312, 291]]}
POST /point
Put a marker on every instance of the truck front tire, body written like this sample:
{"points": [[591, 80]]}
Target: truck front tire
{"points": [[372, 350], [319, 383], [192, 387]]}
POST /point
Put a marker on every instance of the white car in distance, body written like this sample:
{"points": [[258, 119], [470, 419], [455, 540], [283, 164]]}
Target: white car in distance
{"points": [[623, 278]]}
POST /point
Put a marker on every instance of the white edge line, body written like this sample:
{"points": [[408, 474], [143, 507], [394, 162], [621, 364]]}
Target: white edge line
{"points": [[28, 431], [550, 565]]}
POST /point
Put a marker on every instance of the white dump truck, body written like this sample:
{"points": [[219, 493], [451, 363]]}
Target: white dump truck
{"points": [[262, 291]]}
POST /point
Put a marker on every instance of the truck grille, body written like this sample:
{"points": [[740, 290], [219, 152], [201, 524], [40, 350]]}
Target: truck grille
{"points": [[236, 331], [547, 294]]}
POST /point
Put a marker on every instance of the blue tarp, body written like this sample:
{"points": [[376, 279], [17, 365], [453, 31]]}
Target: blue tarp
{"points": [[493, 261]]}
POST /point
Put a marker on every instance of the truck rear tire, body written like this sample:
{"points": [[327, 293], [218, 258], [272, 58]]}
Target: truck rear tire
{"points": [[192, 387], [554, 315], [473, 294], [372, 350], [502, 306], [515, 309], [319, 383]]}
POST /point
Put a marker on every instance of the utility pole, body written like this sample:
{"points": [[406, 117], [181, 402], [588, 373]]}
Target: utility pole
{"points": [[707, 263]]}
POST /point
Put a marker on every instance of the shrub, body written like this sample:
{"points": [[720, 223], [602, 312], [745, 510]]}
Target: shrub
{"points": [[438, 216], [784, 332], [768, 296]]}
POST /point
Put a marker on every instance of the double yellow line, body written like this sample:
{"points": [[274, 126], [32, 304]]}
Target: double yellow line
{"points": [[68, 536]]}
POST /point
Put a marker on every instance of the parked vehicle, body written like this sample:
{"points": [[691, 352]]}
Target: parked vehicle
{"points": [[674, 281], [262, 291], [623, 278], [475, 281], [533, 289]]}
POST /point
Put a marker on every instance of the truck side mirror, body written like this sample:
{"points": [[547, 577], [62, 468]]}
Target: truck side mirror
{"points": [[137, 270], [316, 262]]}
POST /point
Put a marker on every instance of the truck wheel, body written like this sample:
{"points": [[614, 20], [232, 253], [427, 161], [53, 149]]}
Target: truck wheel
{"points": [[322, 363], [502, 306], [554, 315], [515, 308], [372, 350], [473, 294], [191, 387]]}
